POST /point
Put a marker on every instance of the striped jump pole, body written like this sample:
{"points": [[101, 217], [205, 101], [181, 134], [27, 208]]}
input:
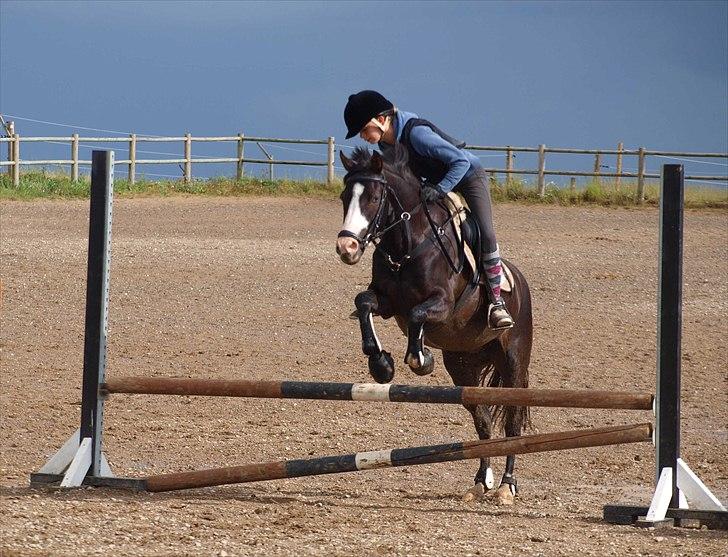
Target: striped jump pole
{"points": [[401, 457], [373, 392]]}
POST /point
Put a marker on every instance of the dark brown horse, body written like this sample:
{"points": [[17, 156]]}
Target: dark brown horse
{"points": [[418, 278]]}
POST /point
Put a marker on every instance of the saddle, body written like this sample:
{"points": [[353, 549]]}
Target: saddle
{"points": [[466, 227]]}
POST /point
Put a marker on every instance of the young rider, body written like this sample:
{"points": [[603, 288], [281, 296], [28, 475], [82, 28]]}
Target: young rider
{"points": [[442, 163]]}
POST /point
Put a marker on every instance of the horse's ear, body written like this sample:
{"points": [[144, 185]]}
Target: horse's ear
{"points": [[347, 162], [376, 163]]}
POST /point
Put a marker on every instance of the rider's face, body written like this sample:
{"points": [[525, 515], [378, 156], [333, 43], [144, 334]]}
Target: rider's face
{"points": [[374, 130], [371, 133]]}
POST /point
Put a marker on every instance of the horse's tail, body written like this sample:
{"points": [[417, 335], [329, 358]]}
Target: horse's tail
{"points": [[501, 414], [516, 354]]}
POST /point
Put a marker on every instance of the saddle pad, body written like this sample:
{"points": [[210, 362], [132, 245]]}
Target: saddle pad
{"points": [[458, 209]]}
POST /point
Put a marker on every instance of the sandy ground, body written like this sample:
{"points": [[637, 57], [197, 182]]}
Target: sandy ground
{"points": [[252, 288]]}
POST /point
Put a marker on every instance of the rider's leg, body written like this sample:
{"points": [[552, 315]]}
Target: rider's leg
{"points": [[476, 191]]}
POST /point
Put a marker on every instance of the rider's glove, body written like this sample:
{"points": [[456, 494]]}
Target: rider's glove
{"points": [[431, 193]]}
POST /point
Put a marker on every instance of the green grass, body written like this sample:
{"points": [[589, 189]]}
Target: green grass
{"points": [[603, 193], [35, 185]]}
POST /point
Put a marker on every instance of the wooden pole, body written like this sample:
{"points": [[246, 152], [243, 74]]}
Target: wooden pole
{"points": [[401, 457], [572, 184], [270, 159], [597, 168], [74, 158], [16, 160], [188, 158], [618, 182], [380, 393], [240, 170], [641, 176], [132, 158], [509, 164], [541, 169], [11, 133], [330, 162]]}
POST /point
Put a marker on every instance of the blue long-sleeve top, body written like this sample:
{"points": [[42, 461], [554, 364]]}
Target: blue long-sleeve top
{"points": [[460, 164]]}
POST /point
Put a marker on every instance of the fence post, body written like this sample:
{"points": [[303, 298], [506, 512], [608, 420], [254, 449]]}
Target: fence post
{"points": [[188, 158], [74, 158], [330, 163], [597, 168], [541, 169], [132, 158], [11, 133], [618, 183], [641, 176], [572, 184], [16, 160], [509, 164], [240, 170]]}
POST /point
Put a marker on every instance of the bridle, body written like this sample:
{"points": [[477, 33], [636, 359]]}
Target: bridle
{"points": [[372, 233]]}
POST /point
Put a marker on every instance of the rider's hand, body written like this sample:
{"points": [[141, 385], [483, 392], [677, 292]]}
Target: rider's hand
{"points": [[431, 193]]}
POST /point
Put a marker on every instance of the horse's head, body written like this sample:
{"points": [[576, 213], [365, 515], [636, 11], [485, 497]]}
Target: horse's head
{"points": [[364, 197]]}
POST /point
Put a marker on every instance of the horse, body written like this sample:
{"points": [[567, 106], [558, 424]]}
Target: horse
{"points": [[435, 302]]}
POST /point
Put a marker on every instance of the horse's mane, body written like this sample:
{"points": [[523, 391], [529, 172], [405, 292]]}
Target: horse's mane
{"points": [[396, 161], [361, 157]]}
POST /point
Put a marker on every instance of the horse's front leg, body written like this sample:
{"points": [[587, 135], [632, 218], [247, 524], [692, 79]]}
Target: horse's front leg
{"points": [[418, 357], [381, 364]]}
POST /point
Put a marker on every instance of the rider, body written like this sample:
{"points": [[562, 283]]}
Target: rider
{"points": [[444, 166]]}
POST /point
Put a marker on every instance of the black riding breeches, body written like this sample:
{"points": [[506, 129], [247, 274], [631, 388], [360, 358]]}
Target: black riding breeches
{"points": [[476, 191]]}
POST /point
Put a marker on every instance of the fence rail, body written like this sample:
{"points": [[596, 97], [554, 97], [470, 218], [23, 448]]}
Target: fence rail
{"points": [[14, 162]]}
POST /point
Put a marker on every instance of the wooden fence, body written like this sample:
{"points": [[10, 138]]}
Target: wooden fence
{"points": [[14, 162]]}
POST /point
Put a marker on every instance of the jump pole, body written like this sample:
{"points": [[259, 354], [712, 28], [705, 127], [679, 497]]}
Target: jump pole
{"points": [[401, 457], [373, 392]]}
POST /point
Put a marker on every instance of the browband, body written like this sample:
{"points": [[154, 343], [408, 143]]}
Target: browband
{"points": [[366, 177]]}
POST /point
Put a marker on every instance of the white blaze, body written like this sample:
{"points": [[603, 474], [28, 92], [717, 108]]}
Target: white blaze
{"points": [[355, 221]]}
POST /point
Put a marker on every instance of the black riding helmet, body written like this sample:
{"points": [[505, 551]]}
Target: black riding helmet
{"points": [[362, 107]]}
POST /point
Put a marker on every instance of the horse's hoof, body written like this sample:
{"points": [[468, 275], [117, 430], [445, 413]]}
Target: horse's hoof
{"points": [[504, 495], [427, 366], [381, 367], [475, 493]]}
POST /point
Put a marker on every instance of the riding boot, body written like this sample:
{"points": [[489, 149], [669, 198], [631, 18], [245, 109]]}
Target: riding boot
{"points": [[492, 272]]}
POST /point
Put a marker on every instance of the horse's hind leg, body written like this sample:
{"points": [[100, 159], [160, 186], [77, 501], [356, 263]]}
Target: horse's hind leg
{"points": [[381, 364], [511, 370], [468, 370]]}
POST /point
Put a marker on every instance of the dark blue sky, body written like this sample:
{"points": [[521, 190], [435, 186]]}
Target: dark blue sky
{"points": [[567, 74]]}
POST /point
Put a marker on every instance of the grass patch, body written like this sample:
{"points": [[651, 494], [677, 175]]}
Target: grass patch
{"points": [[38, 185], [35, 185]]}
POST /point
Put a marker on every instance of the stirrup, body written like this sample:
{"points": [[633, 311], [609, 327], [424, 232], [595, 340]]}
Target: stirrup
{"points": [[502, 318]]}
